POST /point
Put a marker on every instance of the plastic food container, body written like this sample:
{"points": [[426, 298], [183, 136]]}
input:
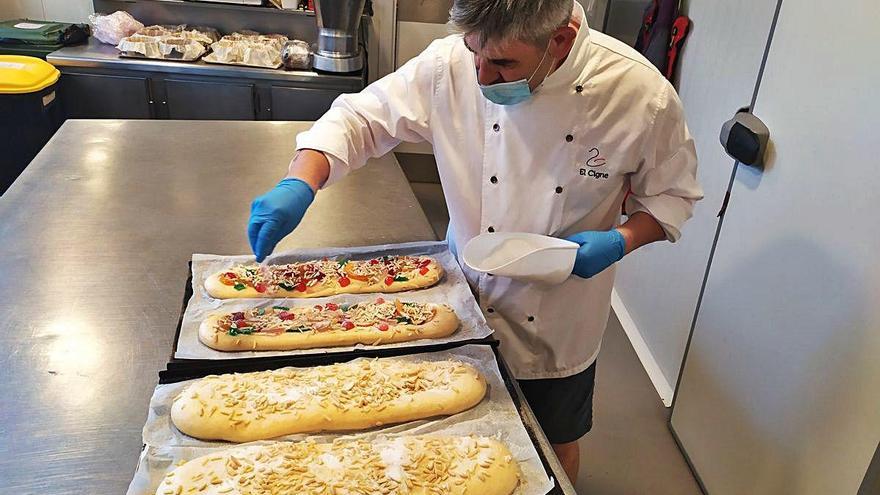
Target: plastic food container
{"points": [[29, 112], [522, 256]]}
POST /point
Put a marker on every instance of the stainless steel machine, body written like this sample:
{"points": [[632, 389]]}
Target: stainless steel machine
{"points": [[338, 37]]}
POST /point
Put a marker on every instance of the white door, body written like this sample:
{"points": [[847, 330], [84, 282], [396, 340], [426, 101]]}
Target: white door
{"points": [[780, 392]]}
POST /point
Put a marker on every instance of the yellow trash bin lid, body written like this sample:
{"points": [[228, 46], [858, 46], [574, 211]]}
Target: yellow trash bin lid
{"points": [[20, 74]]}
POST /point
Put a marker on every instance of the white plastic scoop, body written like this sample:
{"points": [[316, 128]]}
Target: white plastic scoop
{"points": [[523, 256]]}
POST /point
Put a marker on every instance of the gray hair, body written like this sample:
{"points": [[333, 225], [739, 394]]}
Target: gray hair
{"points": [[529, 21]]}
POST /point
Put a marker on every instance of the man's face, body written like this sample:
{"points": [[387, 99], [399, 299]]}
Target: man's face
{"points": [[507, 60]]}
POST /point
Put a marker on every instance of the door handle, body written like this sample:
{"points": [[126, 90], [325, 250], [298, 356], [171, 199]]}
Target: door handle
{"points": [[745, 138]]}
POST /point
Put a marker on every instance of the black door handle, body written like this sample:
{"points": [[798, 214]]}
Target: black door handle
{"points": [[745, 138]]}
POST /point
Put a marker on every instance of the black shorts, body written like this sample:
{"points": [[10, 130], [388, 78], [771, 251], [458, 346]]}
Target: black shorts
{"points": [[563, 406]]}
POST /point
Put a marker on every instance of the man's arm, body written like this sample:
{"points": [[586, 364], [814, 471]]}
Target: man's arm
{"points": [[639, 230], [369, 124], [311, 167], [665, 185], [664, 190], [357, 127]]}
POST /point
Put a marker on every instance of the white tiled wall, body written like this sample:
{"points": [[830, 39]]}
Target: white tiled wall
{"points": [[12, 9], [51, 10]]}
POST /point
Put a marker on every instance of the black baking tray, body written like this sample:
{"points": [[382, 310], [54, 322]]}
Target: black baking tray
{"points": [[138, 56], [181, 373], [195, 366]]}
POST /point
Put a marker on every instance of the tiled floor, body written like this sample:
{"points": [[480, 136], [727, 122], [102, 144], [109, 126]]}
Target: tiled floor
{"points": [[630, 450]]}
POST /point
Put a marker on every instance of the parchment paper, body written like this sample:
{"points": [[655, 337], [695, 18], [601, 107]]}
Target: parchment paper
{"points": [[250, 50], [452, 289], [496, 416]]}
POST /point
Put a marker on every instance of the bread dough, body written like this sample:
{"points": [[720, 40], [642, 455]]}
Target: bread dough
{"points": [[215, 336], [356, 395], [329, 285], [417, 465]]}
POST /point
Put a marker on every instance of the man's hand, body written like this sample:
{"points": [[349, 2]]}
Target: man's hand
{"points": [[598, 250], [276, 213]]}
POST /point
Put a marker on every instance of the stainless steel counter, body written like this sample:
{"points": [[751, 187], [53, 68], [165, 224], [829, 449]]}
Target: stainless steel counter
{"points": [[96, 235], [96, 55], [107, 214]]}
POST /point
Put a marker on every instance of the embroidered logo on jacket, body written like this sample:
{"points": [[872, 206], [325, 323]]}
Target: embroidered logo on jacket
{"points": [[595, 159]]}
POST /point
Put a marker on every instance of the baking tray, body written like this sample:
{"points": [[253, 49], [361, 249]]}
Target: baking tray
{"points": [[185, 369], [177, 374], [450, 286], [241, 64], [138, 56]]}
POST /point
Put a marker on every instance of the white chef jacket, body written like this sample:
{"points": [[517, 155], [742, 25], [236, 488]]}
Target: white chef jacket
{"points": [[606, 121]]}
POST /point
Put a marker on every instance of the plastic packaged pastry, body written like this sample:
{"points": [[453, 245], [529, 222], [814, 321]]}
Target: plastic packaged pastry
{"points": [[112, 28], [296, 55]]}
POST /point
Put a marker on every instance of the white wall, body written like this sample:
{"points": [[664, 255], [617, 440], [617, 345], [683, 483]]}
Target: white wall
{"points": [[52, 10], [12, 9], [595, 10], [413, 37], [658, 285]]}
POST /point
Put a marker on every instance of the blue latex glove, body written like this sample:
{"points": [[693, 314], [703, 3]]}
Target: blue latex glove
{"points": [[598, 251], [276, 213]]}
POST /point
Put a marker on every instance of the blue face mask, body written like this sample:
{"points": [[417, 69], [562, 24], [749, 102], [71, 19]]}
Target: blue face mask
{"points": [[513, 92]]}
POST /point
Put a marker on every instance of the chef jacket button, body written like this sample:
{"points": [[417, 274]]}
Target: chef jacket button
{"points": [[579, 88], [496, 127], [493, 180], [491, 229], [490, 309], [569, 138], [531, 318], [558, 189]]}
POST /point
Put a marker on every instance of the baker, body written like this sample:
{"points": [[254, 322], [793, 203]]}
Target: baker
{"points": [[538, 125]]}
